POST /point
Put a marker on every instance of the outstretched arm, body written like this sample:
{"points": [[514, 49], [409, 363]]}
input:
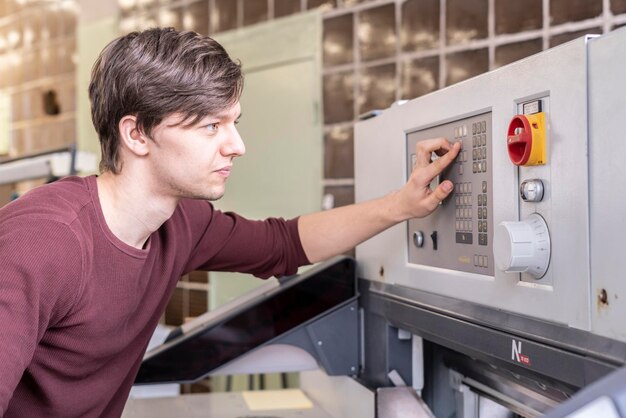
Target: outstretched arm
{"points": [[325, 234]]}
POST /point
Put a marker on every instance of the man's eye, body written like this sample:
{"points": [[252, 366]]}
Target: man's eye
{"points": [[212, 127]]}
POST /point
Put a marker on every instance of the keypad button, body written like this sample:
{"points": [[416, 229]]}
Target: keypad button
{"points": [[484, 187], [483, 140], [483, 126]]}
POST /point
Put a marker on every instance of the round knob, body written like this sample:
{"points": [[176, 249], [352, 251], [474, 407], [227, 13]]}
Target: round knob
{"points": [[523, 247]]}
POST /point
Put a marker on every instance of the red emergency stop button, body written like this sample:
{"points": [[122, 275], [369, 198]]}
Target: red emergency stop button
{"points": [[526, 139]]}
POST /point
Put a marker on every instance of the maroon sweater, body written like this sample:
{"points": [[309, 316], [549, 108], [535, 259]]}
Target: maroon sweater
{"points": [[78, 306]]}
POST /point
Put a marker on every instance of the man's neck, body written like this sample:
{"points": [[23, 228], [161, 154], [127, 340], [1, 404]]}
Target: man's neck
{"points": [[131, 210]]}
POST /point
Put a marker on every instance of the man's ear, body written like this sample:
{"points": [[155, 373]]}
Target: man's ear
{"points": [[131, 136]]}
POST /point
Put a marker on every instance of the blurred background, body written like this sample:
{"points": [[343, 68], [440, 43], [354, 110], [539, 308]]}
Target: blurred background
{"points": [[355, 55]]}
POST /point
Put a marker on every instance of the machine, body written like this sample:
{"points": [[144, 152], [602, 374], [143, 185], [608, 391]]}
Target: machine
{"points": [[508, 300]]}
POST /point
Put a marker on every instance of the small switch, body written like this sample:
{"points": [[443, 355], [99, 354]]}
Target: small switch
{"points": [[433, 236], [418, 239]]}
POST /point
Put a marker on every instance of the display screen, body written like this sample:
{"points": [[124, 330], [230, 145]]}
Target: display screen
{"points": [[191, 356]]}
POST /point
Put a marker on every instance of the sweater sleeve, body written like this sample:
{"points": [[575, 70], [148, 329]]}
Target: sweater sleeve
{"points": [[40, 274], [266, 248]]}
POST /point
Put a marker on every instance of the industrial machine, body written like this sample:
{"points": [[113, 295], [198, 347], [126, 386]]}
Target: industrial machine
{"points": [[509, 299], [513, 288]]}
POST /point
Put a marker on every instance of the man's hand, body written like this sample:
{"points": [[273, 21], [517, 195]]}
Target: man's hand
{"points": [[325, 234], [416, 199]]}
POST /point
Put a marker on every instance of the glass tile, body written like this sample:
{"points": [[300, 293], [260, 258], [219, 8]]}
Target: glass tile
{"points": [[338, 97], [196, 17], [198, 303], [198, 277], [324, 4], [506, 54], [224, 15], [286, 7], [339, 153], [420, 25], [338, 40], [466, 64], [174, 309], [562, 11], [419, 77], [254, 11], [68, 14], [336, 196], [466, 20], [377, 87], [376, 32], [618, 6], [566, 37], [518, 16], [171, 18]]}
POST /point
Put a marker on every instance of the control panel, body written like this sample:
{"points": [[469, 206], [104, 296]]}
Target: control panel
{"points": [[458, 235]]}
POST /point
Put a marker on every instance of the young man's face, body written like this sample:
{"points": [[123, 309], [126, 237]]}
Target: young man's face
{"points": [[195, 162]]}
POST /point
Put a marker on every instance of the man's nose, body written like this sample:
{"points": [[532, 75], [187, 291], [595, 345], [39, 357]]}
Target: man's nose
{"points": [[234, 146]]}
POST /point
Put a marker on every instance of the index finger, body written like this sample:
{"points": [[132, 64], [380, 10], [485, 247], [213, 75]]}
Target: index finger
{"points": [[424, 150], [433, 169]]}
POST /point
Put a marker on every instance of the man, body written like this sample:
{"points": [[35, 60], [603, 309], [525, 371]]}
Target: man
{"points": [[88, 264]]}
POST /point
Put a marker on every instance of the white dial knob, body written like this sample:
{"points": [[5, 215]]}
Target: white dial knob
{"points": [[523, 247]]}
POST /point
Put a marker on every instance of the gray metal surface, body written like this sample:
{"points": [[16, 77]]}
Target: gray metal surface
{"points": [[607, 148], [571, 357], [559, 78], [400, 402], [459, 224], [213, 405]]}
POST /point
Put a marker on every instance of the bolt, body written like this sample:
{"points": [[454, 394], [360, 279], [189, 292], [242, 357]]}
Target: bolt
{"points": [[603, 298]]}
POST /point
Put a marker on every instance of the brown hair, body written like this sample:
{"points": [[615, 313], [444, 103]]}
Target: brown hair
{"points": [[154, 74]]}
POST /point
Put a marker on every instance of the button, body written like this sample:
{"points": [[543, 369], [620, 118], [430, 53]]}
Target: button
{"points": [[475, 260], [470, 225], [458, 225], [483, 153], [486, 261], [480, 213], [483, 140], [483, 126], [480, 200], [484, 187], [456, 187], [474, 142], [469, 189], [464, 130], [473, 129], [484, 166], [433, 237], [460, 169], [484, 213], [485, 226], [482, 239], [464, 237], [480, 226], [485, 200], [418, 239], [474, 167]]}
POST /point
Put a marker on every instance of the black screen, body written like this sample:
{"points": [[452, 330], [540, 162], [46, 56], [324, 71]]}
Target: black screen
{"points": [[297, 300]]}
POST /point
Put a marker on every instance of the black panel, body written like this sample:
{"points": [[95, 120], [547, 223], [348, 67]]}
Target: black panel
{"points": [[298, 299]]}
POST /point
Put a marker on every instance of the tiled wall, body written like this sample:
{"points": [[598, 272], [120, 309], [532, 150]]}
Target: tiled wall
{"points": [[380, 51], [37, 46]]}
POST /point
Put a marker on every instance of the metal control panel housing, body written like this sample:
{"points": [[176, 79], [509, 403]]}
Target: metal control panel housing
{"points": [[457, 235], [556, 81]]}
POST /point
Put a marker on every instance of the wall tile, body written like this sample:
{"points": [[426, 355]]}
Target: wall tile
{"points": [[337, 196], [286, 7], [518, 16], [377, 87], [419, 77], [338, 97], [466, 20], [325, 4], [376, 32], [420, 25], [198, 303], [171, 17], [174, 309], [506, 54], [562, 11], [224, 15], [339, 153], [466, 64], [196, 17], [618, 6], [338, 40], [254, 11], [198, 277], [566, 37]]}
